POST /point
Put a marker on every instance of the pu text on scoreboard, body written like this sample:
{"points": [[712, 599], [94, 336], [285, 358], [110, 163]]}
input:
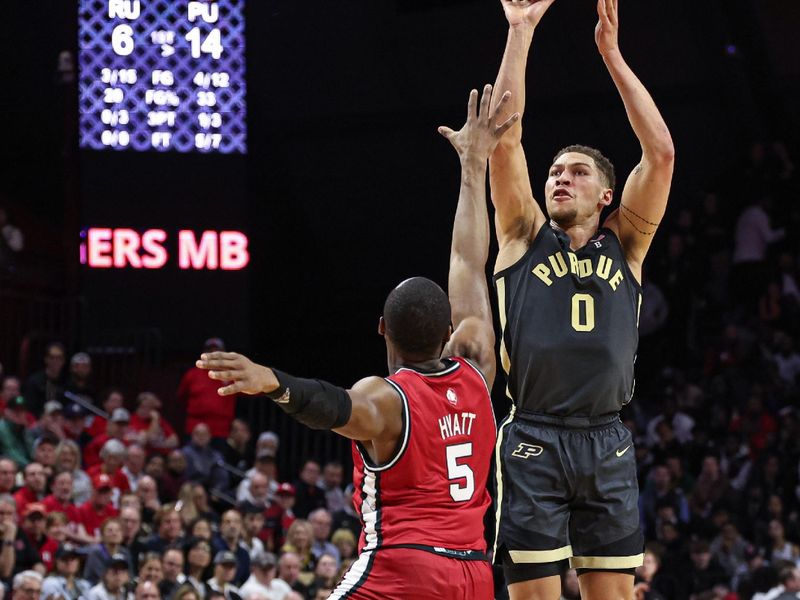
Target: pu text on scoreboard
{"points": [[162, 75]]}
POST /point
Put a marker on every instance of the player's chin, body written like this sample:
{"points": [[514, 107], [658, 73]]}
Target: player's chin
{"points": [[562, 214]]}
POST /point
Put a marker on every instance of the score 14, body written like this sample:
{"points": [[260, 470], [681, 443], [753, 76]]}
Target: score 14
{"points": [[208, 13]]}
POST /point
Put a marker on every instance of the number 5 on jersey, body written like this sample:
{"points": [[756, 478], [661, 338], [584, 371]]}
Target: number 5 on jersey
{"points": [[459, 492]]}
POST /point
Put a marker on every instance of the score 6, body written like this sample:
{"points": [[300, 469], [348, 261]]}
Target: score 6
{"points": [[122, 40]]}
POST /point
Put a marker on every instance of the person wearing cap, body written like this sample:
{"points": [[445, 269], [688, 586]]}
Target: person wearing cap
{"points": [[64, 581], [113, 585], [110, 400], [224, 573], [33, 525], [100, 556], [157, 435], [16, 441], [75, 425], [117, 428], [95, 511], [33, 488], [263, 581], [51, 423], [198, 394], [48, 383], [80, 376], [44, 453], [280, 514]]}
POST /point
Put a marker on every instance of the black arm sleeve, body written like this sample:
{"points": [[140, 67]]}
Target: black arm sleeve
{"points": [[314, 403]]}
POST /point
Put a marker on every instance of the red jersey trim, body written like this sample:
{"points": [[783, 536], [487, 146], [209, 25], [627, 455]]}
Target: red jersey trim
{"points": [[405, 436], [442, 373]]}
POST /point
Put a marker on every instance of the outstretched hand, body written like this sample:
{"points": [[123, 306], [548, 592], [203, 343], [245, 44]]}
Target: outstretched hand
{"points": [[479, 136], [525, 12], [605, 33], [240, 373]]}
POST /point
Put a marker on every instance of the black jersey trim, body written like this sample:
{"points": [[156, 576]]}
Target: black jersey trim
{"points": [[531, 247], [362, 579], [405, 436], [446, 371], [440, 551]]}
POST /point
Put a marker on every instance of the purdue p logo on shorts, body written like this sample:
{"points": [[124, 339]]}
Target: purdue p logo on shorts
{"points": [[527, 450]]}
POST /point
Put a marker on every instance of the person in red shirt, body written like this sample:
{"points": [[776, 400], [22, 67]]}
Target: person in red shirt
{"points": [[117, 428], [112, 400], [60, 501], [94, 512], [112, 456], [199, 395], [157, 434], [33, 488]]}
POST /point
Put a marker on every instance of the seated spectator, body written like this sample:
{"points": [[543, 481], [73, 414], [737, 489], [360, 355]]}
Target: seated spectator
{"points": [[200, 528], [99, 508], [711, 487], [255, 490], [79, 381], [157, 434], [150, 569], [18, 553], [112, 457], [345, 543], [55, 530], [225, 568], [650, 581], [61, 501], [753, 561], [252, 524], [44, 453], [289, 568], [325, 572], [169, 529], [172, 569], [75, 425], [64, 582], [174, 477], [111, 399], [790, 580], [681, 423], [16, 441], [9, 390], [33, 488], [263, 581], [68, 458], [230, 539], [704, 573], [321, 522], [348, 517], [155, 466], [110, 548], [133, 468], [51, 424], [659, 491], [279, 516], [47, 384], [332, 474], [728, 549], [778, 547], [298, 541], [147, 491], [203, 461], [146, 590], [33, 525], [201, 504], [27, 584], [237, 450], [186, 592], [198, 561], [114, 585], [756, 423], [308, 495], [8, 475], [134, 537], [117, 428]]}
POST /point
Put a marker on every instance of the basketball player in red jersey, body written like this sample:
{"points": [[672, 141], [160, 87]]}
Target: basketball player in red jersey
{"points": [[423, 437]]}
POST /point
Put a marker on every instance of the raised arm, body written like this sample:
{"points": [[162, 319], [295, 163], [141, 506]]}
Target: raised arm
{"points": [[370, 410], [645, 195], [517, 214], [473, 335]]}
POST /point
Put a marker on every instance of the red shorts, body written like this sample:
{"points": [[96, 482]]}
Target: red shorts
{"points": [[405, 573]]}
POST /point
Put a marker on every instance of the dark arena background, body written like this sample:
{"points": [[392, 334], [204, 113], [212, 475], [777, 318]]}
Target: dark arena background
{"points": [[270, 183]]}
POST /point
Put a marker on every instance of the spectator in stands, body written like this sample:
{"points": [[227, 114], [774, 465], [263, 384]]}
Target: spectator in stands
{"points": [[68, 459], [289, 568], [115, 581], [201, 528], [12, 243], [252, 524], [150, 569], [147, 491], [113, 456], [263, 581], [8, 475], [134, 537], [100, 556], [17, 553], [60, 500], [308, 494], [172, 569], [681, 423], [55, 529], [789, 578], [80, 377], [174, 477], [198, 559], [254, 490], [704, 572], [27, 585], [10, 389], [728, 549], [198, 393], [33, 488], [237, 451], [51, 423], [651, 582], [156, 432], [133, 469], [47, 384], [225, 569], [711, 486], [203, 462], [169, 529], [279, 516], [33, 525], [147, 590], [44, 453], [75, 425], [111, 399], [345, 543], [325, 572], [778, 547], [64, 582], [16, 441], [186, 592], [298, 541], [660, 492], [96, 510], [321, 522], [117, 428], [268, 440], [230, 538], [332, 474]]}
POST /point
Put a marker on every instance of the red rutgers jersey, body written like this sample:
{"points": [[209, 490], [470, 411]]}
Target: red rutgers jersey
{"points": [[432, 493]]}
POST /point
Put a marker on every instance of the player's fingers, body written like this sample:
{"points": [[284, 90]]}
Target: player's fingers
{"points": [[472, 104], [227, 375], [446, 131], [503, 101], [229, 390], [214, 363], [601, 10], [506, 125], [486, 98], [219, 356]]}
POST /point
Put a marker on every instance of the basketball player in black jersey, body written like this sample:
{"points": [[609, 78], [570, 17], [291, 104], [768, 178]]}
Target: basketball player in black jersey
{"points": [[569, 296]]}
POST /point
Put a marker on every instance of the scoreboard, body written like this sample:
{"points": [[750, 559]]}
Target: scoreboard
{"points": [[162, 75]]}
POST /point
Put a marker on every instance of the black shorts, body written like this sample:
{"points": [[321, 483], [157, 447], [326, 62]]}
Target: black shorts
{"points": [[566, 494]]}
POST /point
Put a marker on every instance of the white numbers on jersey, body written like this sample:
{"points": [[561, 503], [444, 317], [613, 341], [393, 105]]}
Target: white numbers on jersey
{"points": [[582, 318], [459, 492]]}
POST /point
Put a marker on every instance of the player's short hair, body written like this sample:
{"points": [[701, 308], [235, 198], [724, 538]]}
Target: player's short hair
{"points": [[606, 167], [417, 315]]}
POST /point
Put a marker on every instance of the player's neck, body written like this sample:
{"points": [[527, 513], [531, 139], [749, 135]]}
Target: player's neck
{"points": [[431, 365], [579, 233]]}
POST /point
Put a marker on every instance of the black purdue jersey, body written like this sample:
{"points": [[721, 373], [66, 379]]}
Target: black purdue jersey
{"points": [[570, 325]]}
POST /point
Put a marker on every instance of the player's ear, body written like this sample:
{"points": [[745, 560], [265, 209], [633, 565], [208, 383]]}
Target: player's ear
{"points": [[448, 335], [381, 327], [607, 196]]}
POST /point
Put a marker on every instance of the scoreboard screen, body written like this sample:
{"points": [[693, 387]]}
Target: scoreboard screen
{"points": [[162, 75]]}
